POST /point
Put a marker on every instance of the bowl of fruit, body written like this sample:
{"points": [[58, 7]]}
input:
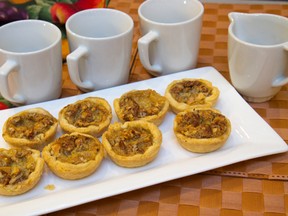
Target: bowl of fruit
{"points": [[55, 11]]}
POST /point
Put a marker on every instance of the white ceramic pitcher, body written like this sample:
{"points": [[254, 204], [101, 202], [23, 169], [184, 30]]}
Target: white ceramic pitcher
{"points": [[258, 54]]}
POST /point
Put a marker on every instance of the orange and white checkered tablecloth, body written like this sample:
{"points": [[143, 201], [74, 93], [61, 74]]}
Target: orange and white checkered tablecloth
{"points": [[254, 187]]}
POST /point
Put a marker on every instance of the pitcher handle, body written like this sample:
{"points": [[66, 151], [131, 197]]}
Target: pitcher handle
{"points": [[281, 80], [143, 48], [5, 70], [73, 68]]}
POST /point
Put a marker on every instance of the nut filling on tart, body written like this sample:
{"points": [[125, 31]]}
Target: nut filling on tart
{"points": [[20, 170], [86, 113], [132, 144], [74, 149], [91, 115], [31, 128], [202, 124], [201, 129], [74, 156], [189, 92], [141, 105], [29, 125], [130, 141]]}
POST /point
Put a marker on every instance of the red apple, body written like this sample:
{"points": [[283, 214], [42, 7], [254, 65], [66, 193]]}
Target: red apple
{"points": [[86, 4], [60, 12]]}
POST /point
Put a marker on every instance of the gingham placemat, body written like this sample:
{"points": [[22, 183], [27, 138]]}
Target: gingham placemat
{"points": [[213, 52], [254, 187], [192, 196]]}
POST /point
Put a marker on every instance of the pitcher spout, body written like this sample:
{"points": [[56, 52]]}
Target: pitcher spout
{"points": [[261, 29], [236, 16]]}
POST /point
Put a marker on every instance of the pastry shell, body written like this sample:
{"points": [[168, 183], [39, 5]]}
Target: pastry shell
{"points": [[96, 108], [134, 159], [33, 177], [69, 170], [200, 98], [151, 106], [201, 144], [36, 141]]}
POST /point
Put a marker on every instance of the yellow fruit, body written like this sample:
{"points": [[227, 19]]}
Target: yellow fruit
{"points": [[19, 1]]}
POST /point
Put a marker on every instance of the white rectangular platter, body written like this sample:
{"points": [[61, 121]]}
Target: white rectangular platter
{"points": [[251, 137]]}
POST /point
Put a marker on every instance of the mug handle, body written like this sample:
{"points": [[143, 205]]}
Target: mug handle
{"points": [[281, 80], [73, 68], [5, 70], [143, 47]]}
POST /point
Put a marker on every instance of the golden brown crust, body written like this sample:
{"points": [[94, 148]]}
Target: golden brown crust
{"points": [[132, 144], [74, 156], [91, 115], [189, 92], [20, 170], [31, 128], [145, 105], [201, 129]]}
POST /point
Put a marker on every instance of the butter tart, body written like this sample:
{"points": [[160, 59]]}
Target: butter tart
{"points": [[145, 105], [74, 156], [91, 115], [201, 129], [20, 170], [132, 144], [32, 128], [189, 92]]}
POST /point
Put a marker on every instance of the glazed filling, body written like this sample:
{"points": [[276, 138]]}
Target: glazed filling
{"points": [[29, 125], [201, 124], [15, 166], [85, 114], [190, 92], [139, 104], [74, 149], [130, 141]]}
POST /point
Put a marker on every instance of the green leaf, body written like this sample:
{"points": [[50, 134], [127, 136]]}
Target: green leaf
{"points": [[45, 13], [33, 11], [2, 100], [44, 2], [67, 1]]}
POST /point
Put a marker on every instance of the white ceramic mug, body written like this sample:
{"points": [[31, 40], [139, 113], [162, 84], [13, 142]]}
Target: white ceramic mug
{"points": [[100, 42], [258, 54], [30, 61], [171, 32]]}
